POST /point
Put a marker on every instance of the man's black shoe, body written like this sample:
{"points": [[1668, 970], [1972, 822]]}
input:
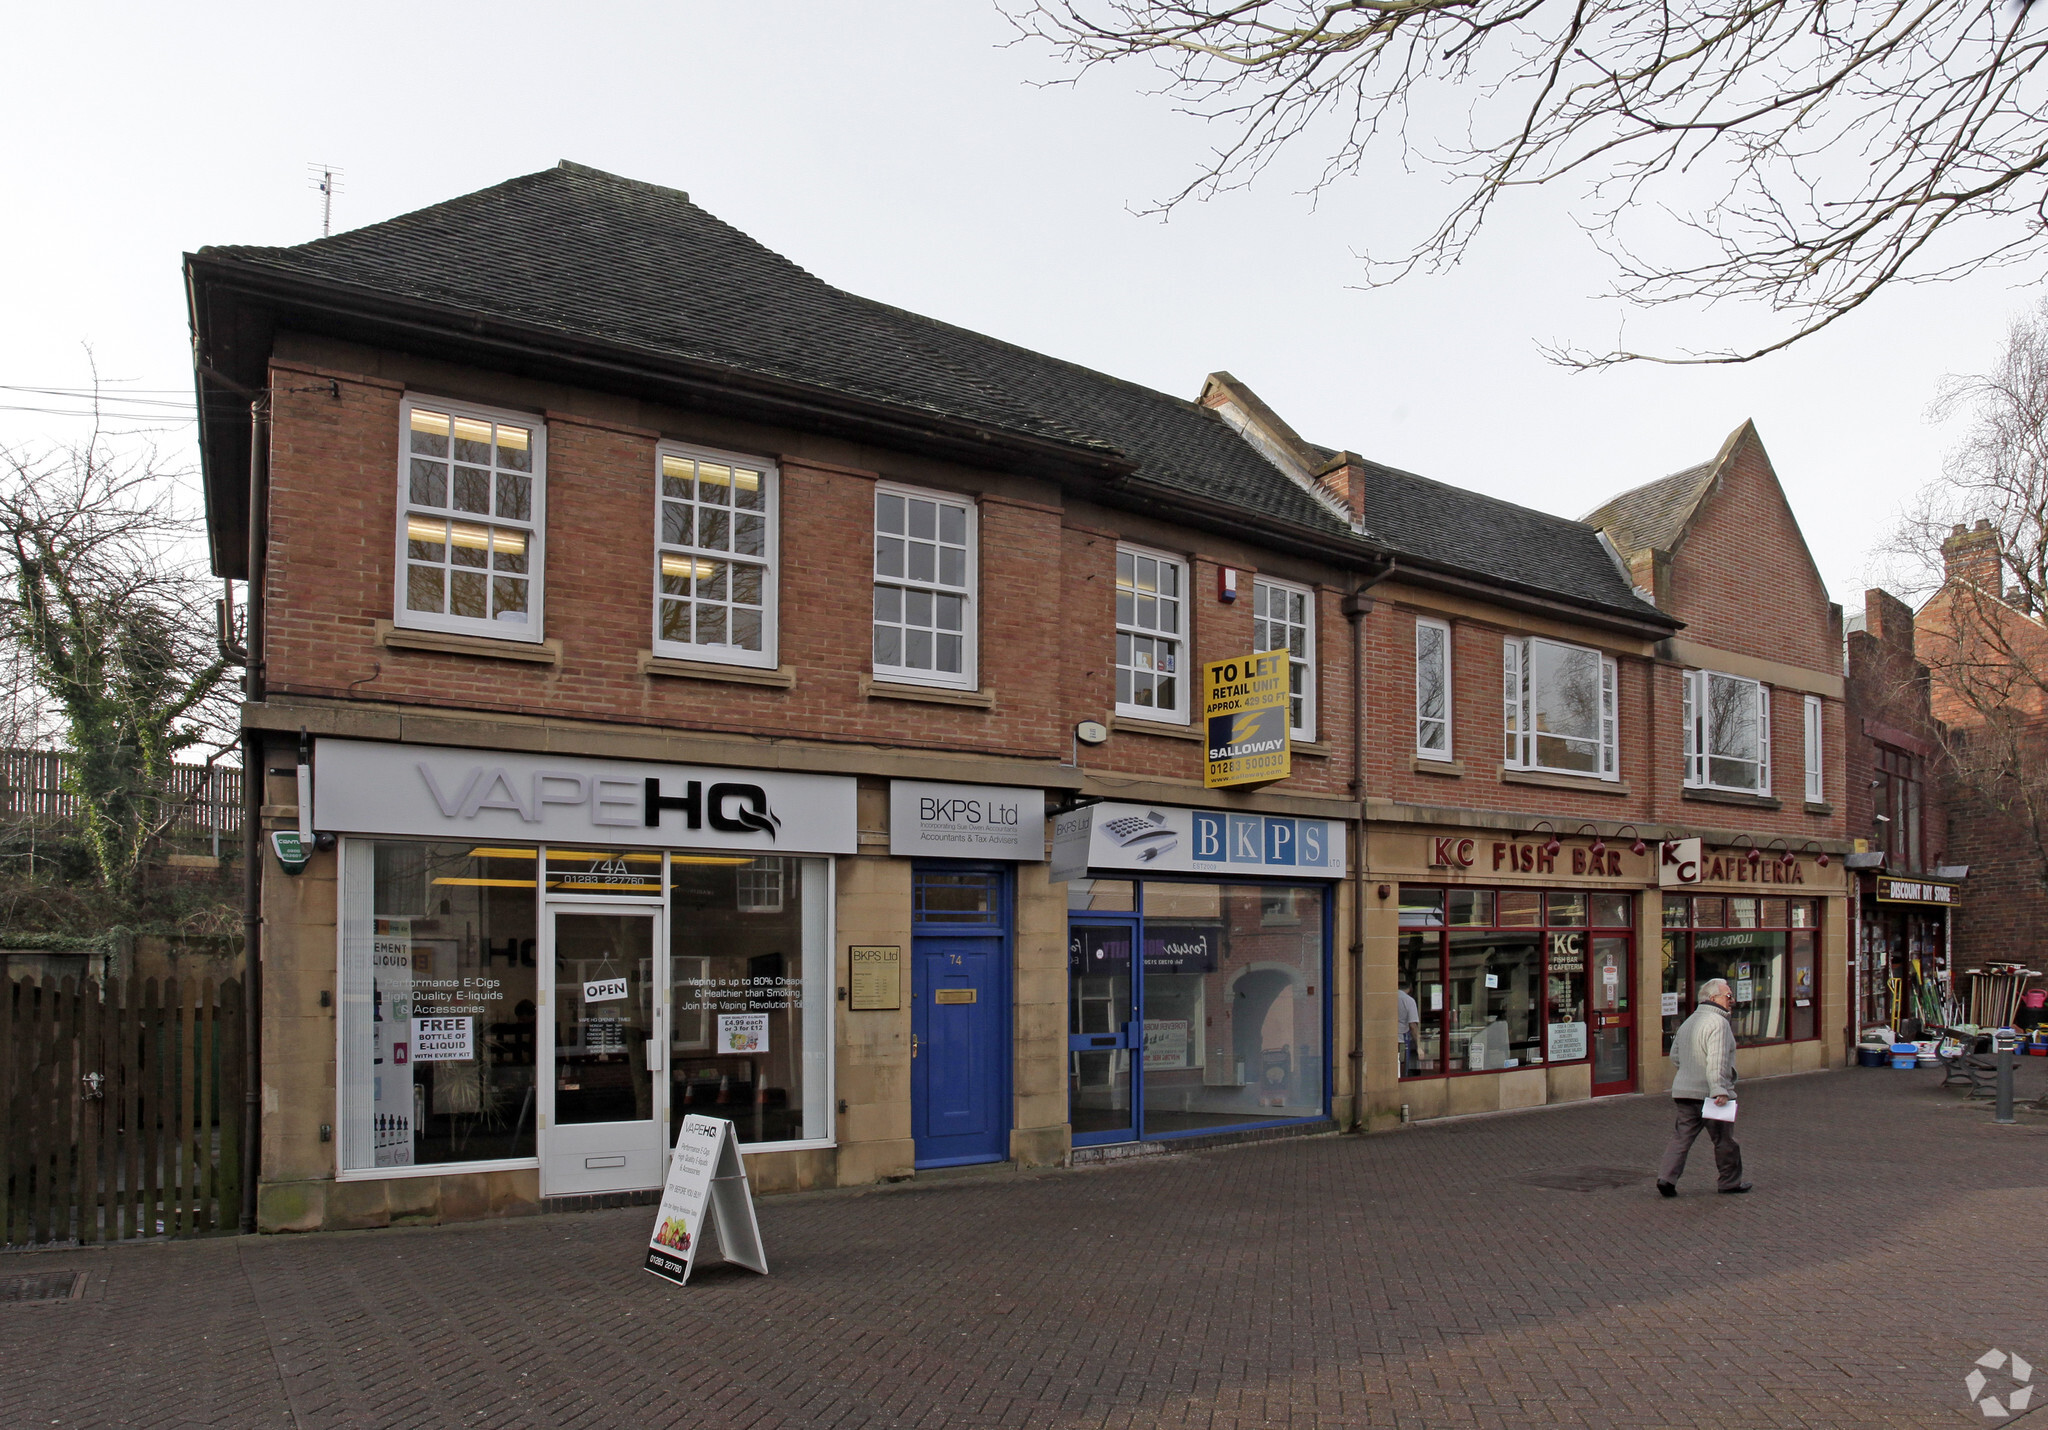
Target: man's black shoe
{"points": [[1731, 1191], [1666, 1189]]}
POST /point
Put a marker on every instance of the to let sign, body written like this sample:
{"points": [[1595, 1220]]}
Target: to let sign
{"points": [[1244, 720]]}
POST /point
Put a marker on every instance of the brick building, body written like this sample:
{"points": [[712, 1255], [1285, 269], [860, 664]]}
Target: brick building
{"points": [[687, 662], [1899, 807], [1985, 651]]}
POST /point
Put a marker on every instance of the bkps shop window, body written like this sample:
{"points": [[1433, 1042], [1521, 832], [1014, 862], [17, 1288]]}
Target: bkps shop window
{"points": [[438, 953]]}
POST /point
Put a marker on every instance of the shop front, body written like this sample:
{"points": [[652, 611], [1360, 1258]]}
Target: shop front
{"points": [[965, 842], [1903, 963], [1198, 969], [545, 963], [1522, 967], [1775, 925]]}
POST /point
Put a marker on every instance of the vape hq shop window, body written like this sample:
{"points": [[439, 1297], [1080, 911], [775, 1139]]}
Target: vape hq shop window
{"points": [[1498, 976], [1765, 948]]}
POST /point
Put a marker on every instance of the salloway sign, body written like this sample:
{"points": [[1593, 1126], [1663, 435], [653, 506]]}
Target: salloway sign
{"points": [[1244, 720], [367, 787]]}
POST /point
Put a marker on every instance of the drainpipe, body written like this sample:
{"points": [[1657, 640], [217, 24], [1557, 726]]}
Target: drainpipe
{"points": [[1355, 607], [253, 780]]}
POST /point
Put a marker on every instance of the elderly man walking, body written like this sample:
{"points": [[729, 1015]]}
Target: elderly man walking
{"points": [[1704, 1051]]}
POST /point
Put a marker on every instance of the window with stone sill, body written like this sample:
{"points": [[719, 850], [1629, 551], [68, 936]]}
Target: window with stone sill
{"points": [[715, 558], [1559, 706], [925, 568], [1432, 690], [1727, 733], [1816, 788], [1151, 635], [1284, 618], [471, 489]]}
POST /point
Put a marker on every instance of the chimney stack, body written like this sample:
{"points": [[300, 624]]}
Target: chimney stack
{"points": [[1970, 555], [1343, 477]]}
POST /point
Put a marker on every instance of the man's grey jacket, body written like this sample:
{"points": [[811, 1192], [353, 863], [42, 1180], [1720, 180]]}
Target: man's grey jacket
{"points": [[1704, 1049]]}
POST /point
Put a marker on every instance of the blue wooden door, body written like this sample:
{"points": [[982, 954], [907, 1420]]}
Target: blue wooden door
{"points": [[959, 1095]]}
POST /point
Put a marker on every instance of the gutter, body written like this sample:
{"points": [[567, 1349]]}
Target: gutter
{"points": [[254, 775]]}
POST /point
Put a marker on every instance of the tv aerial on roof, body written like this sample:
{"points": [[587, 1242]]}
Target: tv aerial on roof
{"points": [[327, 179]]}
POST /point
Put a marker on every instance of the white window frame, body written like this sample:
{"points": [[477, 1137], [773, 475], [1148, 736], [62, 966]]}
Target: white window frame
{"points": [[1305, 728], [1178, 713], [1698, 758], [1443, 630], [531, 631], [1522, 749], [770, 562], [759, 889], [969, 676], [1816, 786]]}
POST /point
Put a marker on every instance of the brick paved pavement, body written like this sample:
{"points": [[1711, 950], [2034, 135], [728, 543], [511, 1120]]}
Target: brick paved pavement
{"points": [[1412, 1279]]}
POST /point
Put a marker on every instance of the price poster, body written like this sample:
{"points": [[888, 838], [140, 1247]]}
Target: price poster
{"points": [[742, 1033]]}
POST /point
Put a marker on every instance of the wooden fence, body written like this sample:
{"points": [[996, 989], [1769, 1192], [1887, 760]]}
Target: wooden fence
{"points": [[200, 798], [120, 1109]]}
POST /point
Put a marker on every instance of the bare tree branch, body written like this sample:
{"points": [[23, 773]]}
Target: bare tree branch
{"points": [[1807, 154]]}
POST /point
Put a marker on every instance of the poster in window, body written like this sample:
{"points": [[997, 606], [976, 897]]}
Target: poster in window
{"points": [[1166, 1044], [443, 1040], [1567, 1042], [742, 1032], [391, 1099]]}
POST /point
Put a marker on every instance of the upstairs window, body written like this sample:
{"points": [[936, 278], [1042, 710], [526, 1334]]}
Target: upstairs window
{"points": [[1727, 733], [1816, 789], [714, 557], [1151, 633], [1559, 704], [470, 489], [1283, 618], [924, 588], [1896, 816], [1432, 690]]}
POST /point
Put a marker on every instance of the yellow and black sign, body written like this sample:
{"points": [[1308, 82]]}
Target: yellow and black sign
{"points": [[1244, 717]]}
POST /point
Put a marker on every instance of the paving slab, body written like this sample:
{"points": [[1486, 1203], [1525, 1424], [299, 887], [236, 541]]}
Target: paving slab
{"points": [[1511, 1270]]}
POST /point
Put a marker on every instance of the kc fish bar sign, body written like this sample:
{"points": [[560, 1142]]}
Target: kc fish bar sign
{"points": [[367, 787], [1244, 721]]}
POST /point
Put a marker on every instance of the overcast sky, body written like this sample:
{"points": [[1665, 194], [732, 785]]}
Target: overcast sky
{"points": [[905, 152]]}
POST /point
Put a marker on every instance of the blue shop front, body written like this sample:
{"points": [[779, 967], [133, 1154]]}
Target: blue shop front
{"points": [[1199, 969]]}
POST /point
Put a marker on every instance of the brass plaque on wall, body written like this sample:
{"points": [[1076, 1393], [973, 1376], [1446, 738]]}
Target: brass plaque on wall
{"points": [[876, 983], [953, 995]]}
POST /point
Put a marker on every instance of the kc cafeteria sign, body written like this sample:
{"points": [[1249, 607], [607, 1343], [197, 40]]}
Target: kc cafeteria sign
{"points": [[1244, 717]]}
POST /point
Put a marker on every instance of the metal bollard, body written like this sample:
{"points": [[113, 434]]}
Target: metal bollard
{"points": [[2003, 1046]]}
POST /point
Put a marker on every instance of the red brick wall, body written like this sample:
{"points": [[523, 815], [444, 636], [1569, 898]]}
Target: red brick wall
{"points": [[1742, 579], [2003, 915], [1651, 740], [1046, 610]]}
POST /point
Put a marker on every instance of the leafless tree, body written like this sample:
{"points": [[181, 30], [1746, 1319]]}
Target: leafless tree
{"points": [[1793, 153], [106, 640], [1976, 545]]}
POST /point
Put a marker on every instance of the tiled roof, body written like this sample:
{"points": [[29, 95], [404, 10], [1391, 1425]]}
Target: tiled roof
{"points": [[599, 257], [1653, 516]]}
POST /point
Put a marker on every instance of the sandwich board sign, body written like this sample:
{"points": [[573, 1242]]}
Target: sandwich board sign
{"points": [[707, 1187], [1244, 721]]}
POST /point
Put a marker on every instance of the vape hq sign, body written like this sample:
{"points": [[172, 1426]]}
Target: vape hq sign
{"points": [[368, 787]]}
